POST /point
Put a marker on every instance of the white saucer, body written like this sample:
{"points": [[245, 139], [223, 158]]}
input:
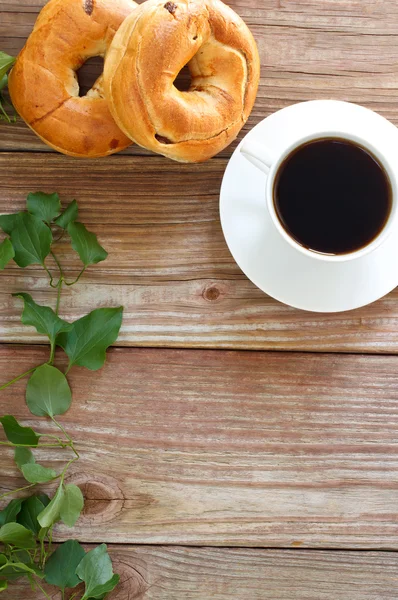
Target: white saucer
{"points": [[273, 264]]}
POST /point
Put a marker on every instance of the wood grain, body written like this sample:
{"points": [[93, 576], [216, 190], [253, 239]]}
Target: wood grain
{"points": [[227, 448], [308, 49], [166, 573], [168, 263]]}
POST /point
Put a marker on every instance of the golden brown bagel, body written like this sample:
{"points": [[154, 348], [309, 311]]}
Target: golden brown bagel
{"points": [[146, 55], [43, 83]]}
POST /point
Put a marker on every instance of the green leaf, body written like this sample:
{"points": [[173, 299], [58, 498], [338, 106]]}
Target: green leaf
{"points": [[41, 536], [72, 505], [86, 245], [96, 571], [3, 82], [35, 473], [50, 514], [44, 499], [70, 214], [6, 62], [60, 569], [6, 253], [17, 434], [43, 318], [102, 589], [9, 222], [30, 510], [3, 585], [44, 206], [23, 456], [48, 392], [16, 535], [24, 568], [11, 573], [90, 336], [31, 239], [10, 512]]}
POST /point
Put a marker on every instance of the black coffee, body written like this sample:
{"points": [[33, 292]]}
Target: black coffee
{"points": [[332, 196]]}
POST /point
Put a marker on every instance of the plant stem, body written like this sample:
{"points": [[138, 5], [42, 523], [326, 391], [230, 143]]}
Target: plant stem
{"points": [[77, 278], [50, 276], [41, 589], [59, 294], [61, 236], [26, 487], [52, 352], [12, 445], [17, 565], [3, 387], [50, 541], [67, 436], [57, 263]]}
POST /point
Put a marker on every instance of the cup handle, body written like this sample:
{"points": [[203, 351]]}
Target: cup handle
{"points": [[258, 155]]}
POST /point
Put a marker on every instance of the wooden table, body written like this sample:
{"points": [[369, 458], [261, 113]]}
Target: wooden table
{"points": [[232, 447]]}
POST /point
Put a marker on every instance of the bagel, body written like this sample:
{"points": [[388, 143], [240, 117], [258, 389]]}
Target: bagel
{"points": [[43, 85], [151, 47]]}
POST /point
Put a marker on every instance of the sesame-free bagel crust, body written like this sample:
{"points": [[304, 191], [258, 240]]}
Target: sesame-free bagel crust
{"points": [[151, 47], [43, 83]]}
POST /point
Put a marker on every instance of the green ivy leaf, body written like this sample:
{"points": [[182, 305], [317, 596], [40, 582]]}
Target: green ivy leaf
{"points": [[35, 473], [28, 568], [102, 589], [16, 434], [12, 573], [48, 392], [23, 456], [43, 318], [72, 505], [86, 245], [70, 214], [50, 514], [10, 512], [17, 535], [9, 222], [44, 206], [3, 585], [44, 499], [3, 82], [90, 336], [6, 62], [30, 510], [6, 253], [31, 239], [60, 569], [96, 571]]}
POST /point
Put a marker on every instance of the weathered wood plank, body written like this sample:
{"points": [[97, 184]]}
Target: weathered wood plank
{"points": [[167, 573], [309, 49], [168, 263], [228, 448]]}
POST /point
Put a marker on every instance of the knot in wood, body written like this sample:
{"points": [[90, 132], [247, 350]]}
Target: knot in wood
{"points": [[133, 573], [212, 292], [103, 498]]}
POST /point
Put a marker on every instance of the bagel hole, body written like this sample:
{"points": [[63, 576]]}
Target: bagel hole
{"points": [[183, 80], [88, 74]]}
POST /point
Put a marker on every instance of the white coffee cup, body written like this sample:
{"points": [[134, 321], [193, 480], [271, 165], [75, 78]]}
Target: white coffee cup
{"points": [[361, 129]]}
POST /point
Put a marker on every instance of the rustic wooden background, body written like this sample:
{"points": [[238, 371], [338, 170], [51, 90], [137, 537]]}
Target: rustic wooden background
{"points": [[212, 469]]}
